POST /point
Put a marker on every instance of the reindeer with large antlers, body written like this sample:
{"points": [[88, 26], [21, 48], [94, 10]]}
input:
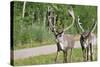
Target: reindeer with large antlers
{"points": [[63, 42], [86, 41]]}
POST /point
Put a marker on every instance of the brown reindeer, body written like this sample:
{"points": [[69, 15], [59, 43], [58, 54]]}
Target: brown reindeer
{"points": [[86, 41], [63, 42]]}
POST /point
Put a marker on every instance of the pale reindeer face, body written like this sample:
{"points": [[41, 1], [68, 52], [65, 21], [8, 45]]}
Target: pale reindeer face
{"points": [[86, 42], [60, 37]]}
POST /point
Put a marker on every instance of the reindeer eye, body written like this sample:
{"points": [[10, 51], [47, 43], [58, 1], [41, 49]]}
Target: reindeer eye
{"points": [[60, 35]]}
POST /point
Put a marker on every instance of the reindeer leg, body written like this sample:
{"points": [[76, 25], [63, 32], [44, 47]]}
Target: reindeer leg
{"points": [[87, 53], [58, 49], [84, 53], [64, 56], [91, 57], [56, 57], [71, 55]]}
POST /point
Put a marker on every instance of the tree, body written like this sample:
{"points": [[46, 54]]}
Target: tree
{"points": [[24, 4]]}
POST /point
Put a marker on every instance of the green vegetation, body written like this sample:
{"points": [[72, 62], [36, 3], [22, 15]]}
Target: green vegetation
{"points": [[49, 59], [32, 29]]}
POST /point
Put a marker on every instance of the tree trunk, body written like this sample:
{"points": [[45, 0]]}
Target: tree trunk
{"points": [[44, 20], [24, 9]]}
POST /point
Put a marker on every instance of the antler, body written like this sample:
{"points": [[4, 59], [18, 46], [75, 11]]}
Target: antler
{"points": [[79, 23], [71, 13], [51, 19], [94, 25], [92, 28]]}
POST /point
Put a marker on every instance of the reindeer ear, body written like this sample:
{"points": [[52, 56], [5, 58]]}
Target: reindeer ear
{"points": [[83, 37]]}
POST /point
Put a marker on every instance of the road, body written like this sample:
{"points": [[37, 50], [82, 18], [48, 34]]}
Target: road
{"points": [[43, 50]]}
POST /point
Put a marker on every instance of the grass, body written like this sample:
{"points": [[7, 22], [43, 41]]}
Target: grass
{"points": [[49, 59]]}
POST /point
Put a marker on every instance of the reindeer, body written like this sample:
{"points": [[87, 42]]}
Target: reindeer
{"points": [[86, 41], [63, 42]]}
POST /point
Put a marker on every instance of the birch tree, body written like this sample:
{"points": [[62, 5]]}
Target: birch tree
{"points": [[24, 5]]}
